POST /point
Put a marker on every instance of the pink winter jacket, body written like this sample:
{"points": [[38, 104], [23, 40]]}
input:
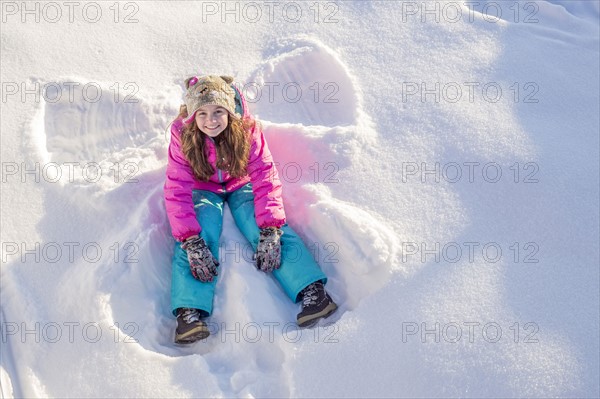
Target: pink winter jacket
{"points": [[180, 182]]}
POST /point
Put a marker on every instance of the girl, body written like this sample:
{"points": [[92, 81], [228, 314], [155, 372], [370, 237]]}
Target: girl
{"points": [[218, 153]]}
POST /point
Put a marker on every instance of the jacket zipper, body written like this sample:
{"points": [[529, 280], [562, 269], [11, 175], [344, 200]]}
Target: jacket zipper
{"points": [[221, 179], [219, 172]]}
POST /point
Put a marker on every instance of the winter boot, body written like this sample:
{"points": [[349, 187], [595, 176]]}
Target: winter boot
{"points": [[316, 304], [190, 328]]}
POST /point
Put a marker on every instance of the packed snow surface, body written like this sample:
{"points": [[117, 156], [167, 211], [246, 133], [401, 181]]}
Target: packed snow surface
{"points": [[440, 159]]}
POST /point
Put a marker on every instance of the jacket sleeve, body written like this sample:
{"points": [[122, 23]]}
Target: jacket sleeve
{"points": [[178, 189], [266, 186]]}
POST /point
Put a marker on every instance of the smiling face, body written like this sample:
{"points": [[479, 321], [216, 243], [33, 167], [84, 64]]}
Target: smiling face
{"points": [[212, 119]]}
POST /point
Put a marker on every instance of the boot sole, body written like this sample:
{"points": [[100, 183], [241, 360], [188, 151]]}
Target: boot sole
{"points": [[310, 320], [192, 336]]}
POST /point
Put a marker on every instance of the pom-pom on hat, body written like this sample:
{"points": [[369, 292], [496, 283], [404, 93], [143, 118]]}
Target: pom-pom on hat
{"points": [[209, 90]]}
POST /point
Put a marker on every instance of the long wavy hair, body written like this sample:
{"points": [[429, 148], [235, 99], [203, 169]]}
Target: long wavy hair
{"points": [[233, 147]]}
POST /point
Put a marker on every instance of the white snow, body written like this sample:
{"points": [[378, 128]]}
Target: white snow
{"points": [[390, 130]]}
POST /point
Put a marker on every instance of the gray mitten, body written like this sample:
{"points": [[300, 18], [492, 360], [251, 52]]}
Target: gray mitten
{"points": [[203, 265], [268, 251]]}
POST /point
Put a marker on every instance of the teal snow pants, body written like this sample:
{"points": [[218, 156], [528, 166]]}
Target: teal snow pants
{"points": [[298, 267]]}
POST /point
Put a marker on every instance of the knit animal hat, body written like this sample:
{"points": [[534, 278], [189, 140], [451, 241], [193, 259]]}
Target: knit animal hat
{"points": [[209, 90]]}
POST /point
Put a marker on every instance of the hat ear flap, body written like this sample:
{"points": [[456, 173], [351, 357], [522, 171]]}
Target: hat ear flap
{"points": [[227, 79], [190, 81]]}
